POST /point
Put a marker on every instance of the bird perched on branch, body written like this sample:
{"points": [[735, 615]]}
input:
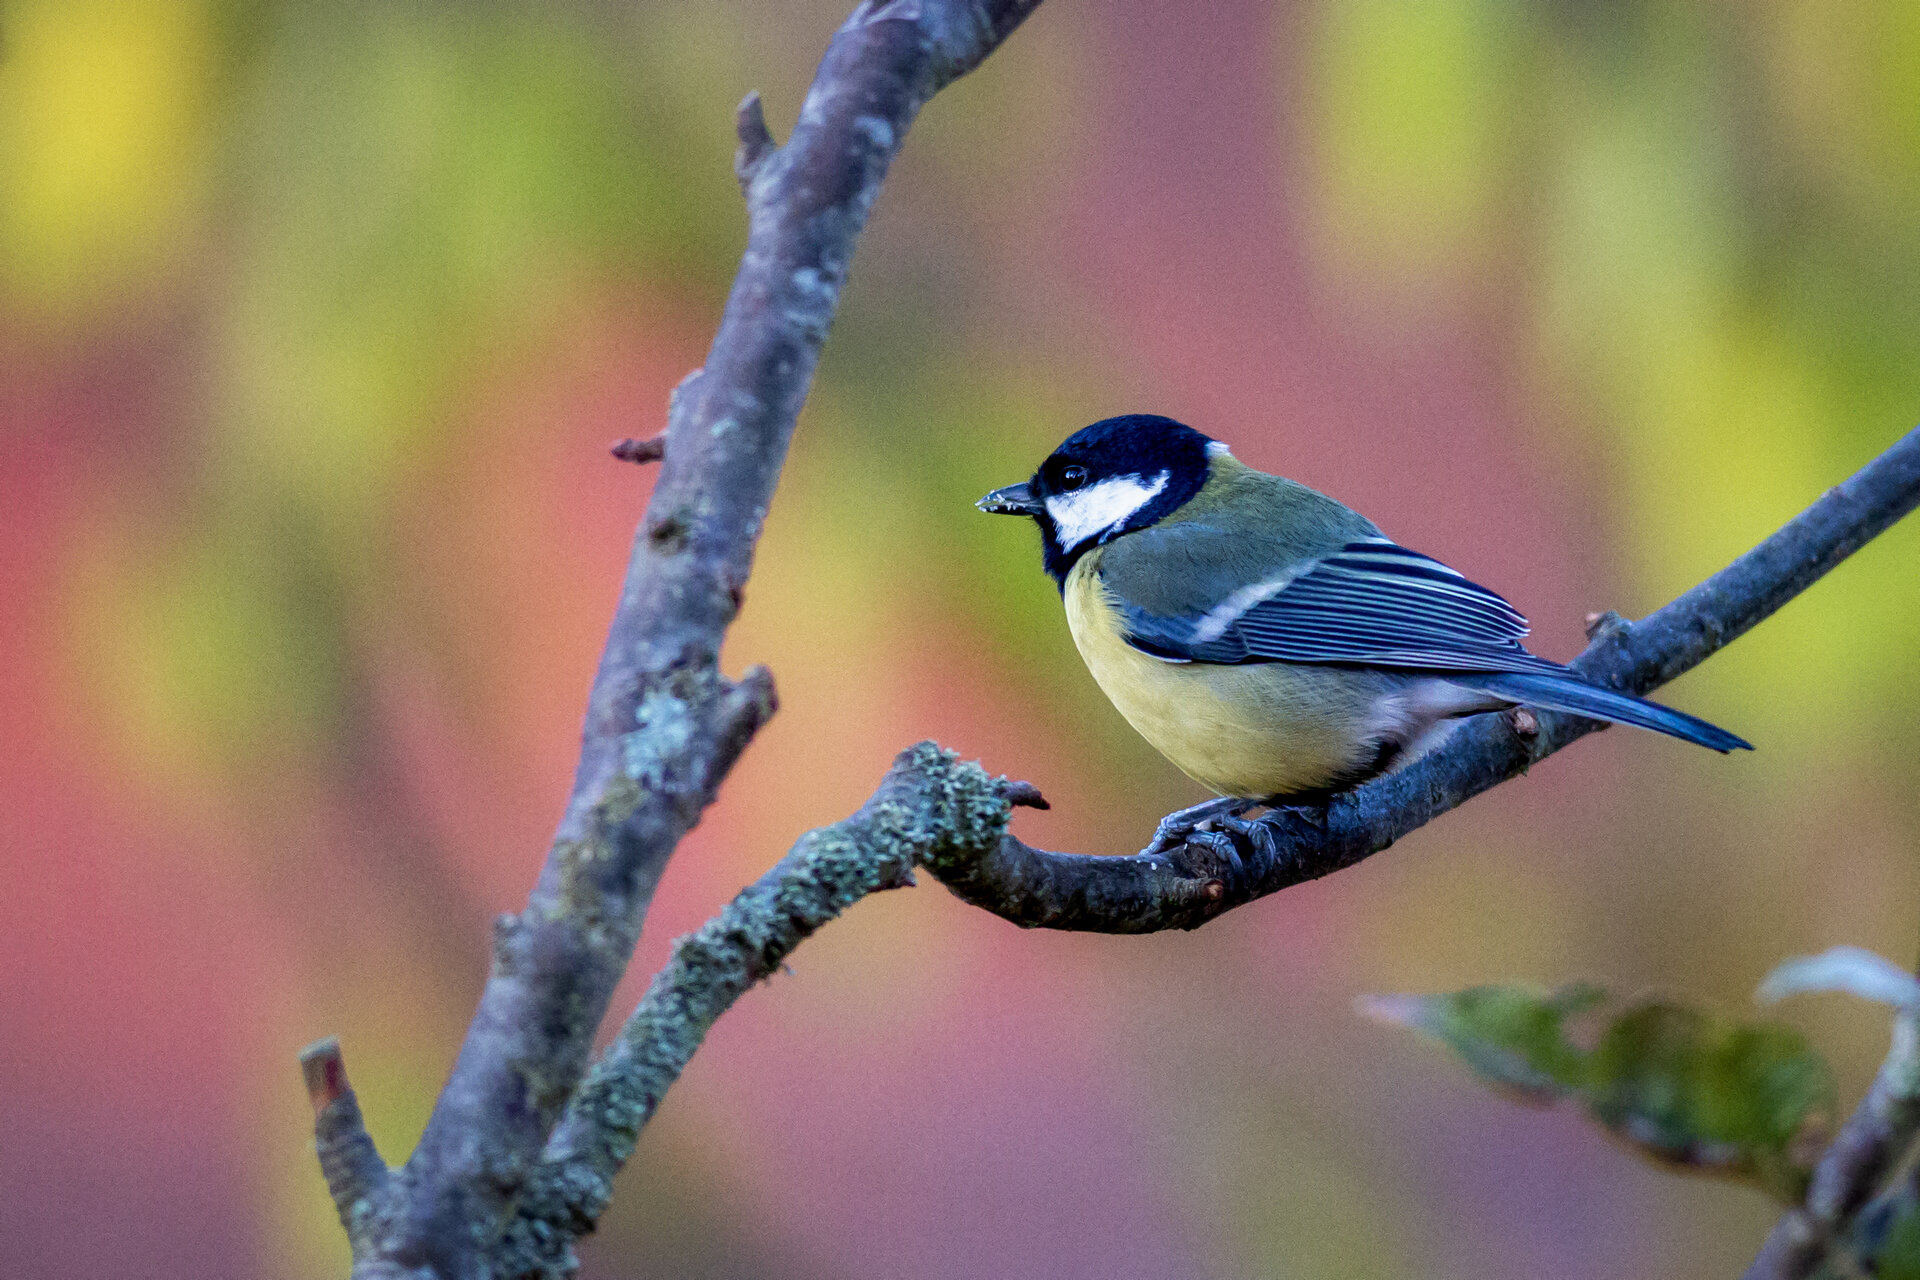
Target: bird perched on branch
{"points": [[1268, 640]]}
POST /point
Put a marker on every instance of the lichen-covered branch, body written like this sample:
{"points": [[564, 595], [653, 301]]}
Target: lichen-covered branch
{"points": [[929, 804], [518, 1154], [1214, 873], [1870, 1144], [663, 725]]}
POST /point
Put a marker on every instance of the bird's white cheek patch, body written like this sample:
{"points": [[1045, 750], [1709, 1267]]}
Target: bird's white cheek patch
{"points": [[1090, 512]]}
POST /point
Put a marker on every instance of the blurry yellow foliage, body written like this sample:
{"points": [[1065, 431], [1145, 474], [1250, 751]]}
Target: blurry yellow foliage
{"points": [[1848, 83], [420, 195], [102, 143], [1675, 277], [212, 670], [1410, 128]]}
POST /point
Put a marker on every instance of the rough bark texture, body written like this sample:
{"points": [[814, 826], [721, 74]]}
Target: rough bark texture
{"points": [[349, 1161], [663, 725], [518, 1156], [1215, 872], [929, 804], [931, 811]]}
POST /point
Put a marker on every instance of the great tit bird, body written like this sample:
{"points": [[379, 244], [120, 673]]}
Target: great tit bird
{"points": [[1266, 639]]}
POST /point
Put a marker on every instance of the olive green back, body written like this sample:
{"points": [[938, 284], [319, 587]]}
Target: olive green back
{"points": [[1243, 527]]}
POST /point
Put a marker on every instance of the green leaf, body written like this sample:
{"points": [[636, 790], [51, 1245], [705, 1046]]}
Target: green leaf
{"points": [[1513, 1038], [1704, 1092], [1688, 1088], [1898, 1257]]}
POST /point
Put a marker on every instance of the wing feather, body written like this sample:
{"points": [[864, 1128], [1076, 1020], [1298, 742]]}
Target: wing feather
{"points": [[1372, 602]]}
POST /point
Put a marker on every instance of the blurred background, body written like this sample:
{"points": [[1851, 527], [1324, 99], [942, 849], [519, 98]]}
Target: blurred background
{"points": [[315, 324]]}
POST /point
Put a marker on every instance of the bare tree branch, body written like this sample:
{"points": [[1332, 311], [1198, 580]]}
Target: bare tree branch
{"points": [[928, 803], [1214, 873], [663, 725], [831, 868], [1869, 1145], [517, 1157]]}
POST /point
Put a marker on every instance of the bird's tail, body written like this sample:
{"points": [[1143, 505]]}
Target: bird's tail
{"points": [[1572, 694]]}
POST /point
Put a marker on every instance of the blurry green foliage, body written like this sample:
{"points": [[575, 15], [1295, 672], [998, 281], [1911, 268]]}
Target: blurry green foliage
{"points": [[1709, 1093], [1696, 230], [103, 145], [1686, 1087], [420, 189], [222, 662], [373, 209], [1513, 1038], [1710, 217], [1898, 1257]]}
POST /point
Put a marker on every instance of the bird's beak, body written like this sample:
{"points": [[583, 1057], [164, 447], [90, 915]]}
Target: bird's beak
{"points": [[1014, 500]]}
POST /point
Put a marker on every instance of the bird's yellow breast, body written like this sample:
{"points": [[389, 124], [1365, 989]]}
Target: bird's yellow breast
{"points": [[1254, 730]]}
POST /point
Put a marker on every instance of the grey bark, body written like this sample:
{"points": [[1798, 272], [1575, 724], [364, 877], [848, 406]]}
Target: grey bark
{"points": [[1836, 1211], [663, 725], [518, 1157], [929, 804]]}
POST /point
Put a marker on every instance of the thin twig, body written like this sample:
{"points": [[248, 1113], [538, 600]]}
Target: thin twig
{"points": [[1868, 1147], [1211, 875], [652, 449], [928, 803], [663, 725]]}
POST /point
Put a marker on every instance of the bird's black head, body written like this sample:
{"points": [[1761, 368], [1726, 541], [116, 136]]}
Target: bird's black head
{"points": [[1108, 479]]}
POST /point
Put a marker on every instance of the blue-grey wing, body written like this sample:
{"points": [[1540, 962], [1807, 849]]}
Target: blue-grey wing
{"points": [[1372, 603]]}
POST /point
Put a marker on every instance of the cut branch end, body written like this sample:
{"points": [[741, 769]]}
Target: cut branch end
{"points": [[325, 1072], [349, 1161]]}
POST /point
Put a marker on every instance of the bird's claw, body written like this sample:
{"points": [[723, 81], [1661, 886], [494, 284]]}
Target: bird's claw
{"points": [[1227, 847], [1169, 835], [1174, 829], [1255, 836]]}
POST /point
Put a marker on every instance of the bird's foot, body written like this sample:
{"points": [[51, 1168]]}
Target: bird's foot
{"points": [[1244, 851], [1181, 823], [1247, 846]]}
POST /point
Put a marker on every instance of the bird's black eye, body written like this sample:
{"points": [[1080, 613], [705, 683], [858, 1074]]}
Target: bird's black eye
{"points": [[1072, 478]]}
